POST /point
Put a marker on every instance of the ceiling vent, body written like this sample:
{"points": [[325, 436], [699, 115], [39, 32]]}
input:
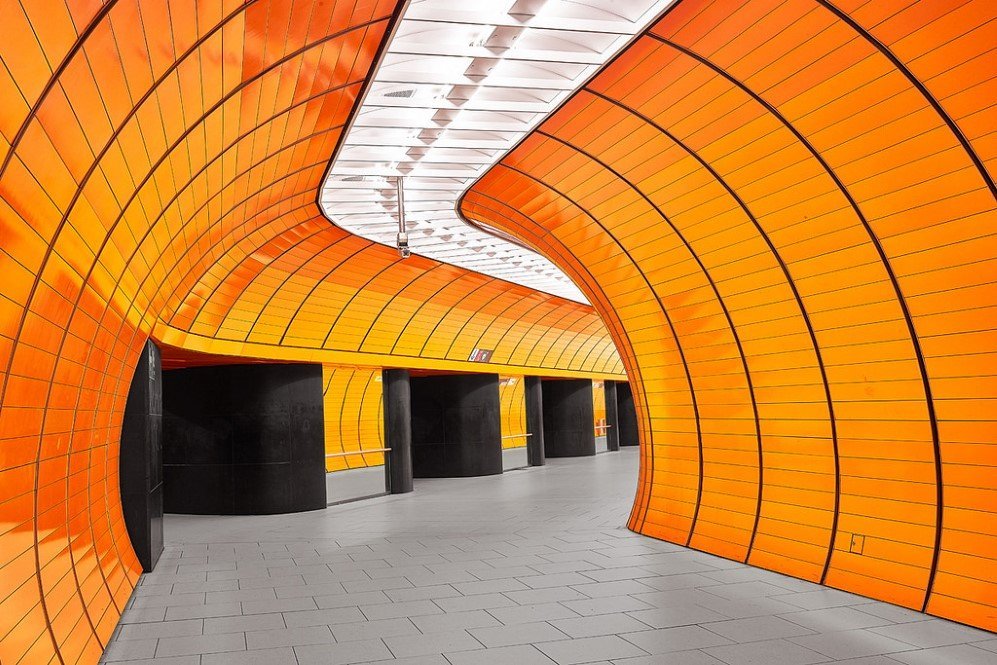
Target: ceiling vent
{"points": [[403, 94]]}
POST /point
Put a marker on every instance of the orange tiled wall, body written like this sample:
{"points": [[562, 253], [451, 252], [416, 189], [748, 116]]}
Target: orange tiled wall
{"points": [[159, 164], [785, 212], [134, 136]]}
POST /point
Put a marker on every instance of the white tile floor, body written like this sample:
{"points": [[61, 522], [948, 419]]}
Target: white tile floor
{"points": [[531, 567]]}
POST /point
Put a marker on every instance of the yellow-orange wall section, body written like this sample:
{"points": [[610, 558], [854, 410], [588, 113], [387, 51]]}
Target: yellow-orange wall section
{"points": [[354, 416], [512, 406], [785, 212], [599, 407]]}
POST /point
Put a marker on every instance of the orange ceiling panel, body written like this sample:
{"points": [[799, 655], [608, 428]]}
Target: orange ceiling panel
{"points": [[785, 211]]}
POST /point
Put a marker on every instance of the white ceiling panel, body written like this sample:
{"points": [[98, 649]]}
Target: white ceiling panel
{"points": [[460, 83]]}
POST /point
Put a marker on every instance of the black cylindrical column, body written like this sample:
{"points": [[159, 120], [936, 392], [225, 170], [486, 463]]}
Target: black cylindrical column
{"points": [[569, 416], [534, 422], [243, 439], [397, 431], [612, 417], [626, 415], [140, 464], [456, 426]]}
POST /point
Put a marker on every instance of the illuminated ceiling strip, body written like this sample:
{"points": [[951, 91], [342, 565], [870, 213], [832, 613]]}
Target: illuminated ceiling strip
{"points": [[459, 85]]}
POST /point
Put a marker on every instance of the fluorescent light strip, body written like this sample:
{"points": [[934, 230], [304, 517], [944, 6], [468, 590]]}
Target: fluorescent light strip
{"points": [[459, 85]]}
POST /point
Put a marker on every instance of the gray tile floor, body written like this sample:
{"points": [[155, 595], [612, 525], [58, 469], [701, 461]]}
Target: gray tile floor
{"points": [[531, 567]]}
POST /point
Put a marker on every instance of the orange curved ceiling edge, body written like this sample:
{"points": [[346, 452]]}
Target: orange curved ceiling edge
{"points": [[785, 212], [316, 292], [159, 167]]}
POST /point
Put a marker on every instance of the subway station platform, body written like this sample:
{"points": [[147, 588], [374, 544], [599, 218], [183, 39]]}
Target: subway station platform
{"points": [[531, 567]]}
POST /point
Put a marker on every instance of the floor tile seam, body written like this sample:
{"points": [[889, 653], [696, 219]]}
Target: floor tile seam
{"points": [[884, 654], [788, 616], [245, 647], [828, 659], [872, 630], [932, 619]]}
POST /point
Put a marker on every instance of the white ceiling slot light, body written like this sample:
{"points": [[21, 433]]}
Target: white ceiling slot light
{"points": [[459, 85]]}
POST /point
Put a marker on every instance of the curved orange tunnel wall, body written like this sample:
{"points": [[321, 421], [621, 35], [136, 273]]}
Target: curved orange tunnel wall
{"points": [[786, 214], [158, 175], [135, 138]]}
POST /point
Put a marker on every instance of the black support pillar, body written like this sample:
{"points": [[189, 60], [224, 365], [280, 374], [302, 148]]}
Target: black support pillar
{"points": [[568, 417], [456, 426], [397, 430], [244, 439], [612, 417], [140, 465], [626, 415], [534, 422]]}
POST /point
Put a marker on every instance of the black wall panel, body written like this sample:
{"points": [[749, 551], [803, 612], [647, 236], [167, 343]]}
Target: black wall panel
{"points": [[568, 417], [456, 427], [612, 417], [626, 413], [140, 465], [243, 439], [397, 430]]}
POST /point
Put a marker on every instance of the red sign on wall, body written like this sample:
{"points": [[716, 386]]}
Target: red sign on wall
{"points": [[481, 355]]}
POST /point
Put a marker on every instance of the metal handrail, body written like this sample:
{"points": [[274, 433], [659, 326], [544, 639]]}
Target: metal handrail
{"points": [[359, 452], [516, 436]]}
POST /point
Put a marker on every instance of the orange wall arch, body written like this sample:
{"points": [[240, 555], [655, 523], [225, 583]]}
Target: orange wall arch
{"points": [[786, 215], [159, 165]]}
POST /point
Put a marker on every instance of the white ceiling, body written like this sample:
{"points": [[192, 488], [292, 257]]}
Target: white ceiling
{"points": [[460, 83]]}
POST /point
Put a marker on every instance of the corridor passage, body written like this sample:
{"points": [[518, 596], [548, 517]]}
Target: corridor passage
{"points": [[527, 568]]}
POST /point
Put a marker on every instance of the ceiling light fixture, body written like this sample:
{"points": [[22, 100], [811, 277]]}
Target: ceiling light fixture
{"points": [[402, 239], [481, 75]]}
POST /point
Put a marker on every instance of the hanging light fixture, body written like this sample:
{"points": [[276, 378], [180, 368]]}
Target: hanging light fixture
{"points": [[403, 248]]}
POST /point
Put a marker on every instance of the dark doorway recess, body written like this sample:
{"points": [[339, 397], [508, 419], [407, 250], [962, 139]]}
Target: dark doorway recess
{"points": [[140, 462], [568, 418], [243, 439], [456, 428]]}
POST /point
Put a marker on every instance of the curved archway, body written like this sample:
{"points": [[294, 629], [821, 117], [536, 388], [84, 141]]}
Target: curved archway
{"points": [[812, 178]]}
